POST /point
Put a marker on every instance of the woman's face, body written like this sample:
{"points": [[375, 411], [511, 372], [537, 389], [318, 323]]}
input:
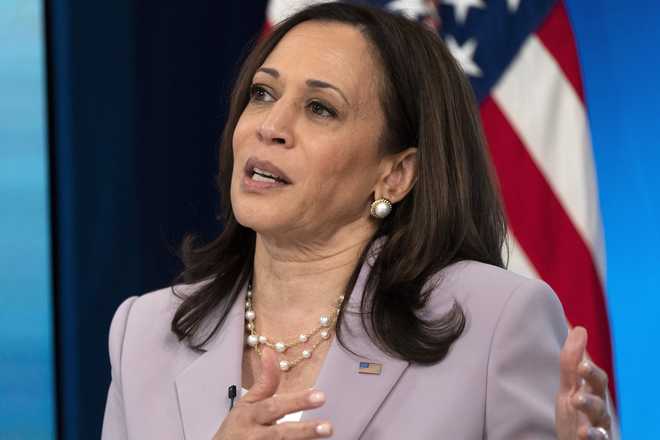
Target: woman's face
{"points": [[314, 120]]}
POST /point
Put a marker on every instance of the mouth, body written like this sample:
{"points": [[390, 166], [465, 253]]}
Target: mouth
{"points": [[264, 171]]}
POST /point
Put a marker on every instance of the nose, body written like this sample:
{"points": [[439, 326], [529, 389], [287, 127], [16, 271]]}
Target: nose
{"points": [[275, 129]]}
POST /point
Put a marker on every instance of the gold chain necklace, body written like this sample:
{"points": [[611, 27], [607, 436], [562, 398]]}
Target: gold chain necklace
{"points": [[326, 324]]}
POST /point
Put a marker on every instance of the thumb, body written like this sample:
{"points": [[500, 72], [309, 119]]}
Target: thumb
{"points": [[570, 357], [268, 380]]}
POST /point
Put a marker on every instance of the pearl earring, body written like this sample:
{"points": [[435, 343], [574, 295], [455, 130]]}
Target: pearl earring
{"points": [[381, 208]]}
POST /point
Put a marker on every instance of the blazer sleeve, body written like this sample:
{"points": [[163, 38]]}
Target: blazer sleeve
{"points": [[114, 421], [523, 365]]}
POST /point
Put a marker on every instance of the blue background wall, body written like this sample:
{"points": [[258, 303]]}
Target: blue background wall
{"points": [[137, 101], [27, 409], [619, 47]]}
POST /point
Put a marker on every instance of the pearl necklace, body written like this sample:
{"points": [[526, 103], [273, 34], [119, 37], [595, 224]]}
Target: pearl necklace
{"points": [[326, 324]]}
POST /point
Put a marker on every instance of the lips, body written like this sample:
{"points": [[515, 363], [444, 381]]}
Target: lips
{"points": [[263, 169]]}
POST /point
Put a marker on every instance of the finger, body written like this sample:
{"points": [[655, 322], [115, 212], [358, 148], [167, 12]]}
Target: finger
{"points": [[595, 377], [591, 433], [300, 430], [271, 409], [571, 354], [594, 408], [268, 380]]}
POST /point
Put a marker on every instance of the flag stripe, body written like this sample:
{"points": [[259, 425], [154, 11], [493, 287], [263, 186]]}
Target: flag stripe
{"points": [[555, 131], [557, 36], [518, 261], [278, 10], [547, 235]]}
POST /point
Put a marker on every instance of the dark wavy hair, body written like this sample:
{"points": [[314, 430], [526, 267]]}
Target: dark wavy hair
{"points": [[452, 213]]}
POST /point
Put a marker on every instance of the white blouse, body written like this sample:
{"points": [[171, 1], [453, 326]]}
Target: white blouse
{"points": [[293, 417]]}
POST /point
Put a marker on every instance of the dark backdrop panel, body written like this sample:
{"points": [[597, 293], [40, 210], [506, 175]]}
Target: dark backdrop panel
{"points": [[137, 95]]}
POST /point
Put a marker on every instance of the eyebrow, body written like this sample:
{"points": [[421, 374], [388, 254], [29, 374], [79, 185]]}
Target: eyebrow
{"points": [[314, 83]]}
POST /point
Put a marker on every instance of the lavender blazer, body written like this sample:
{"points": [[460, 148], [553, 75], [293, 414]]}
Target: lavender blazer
{"points": [[498, 381]]}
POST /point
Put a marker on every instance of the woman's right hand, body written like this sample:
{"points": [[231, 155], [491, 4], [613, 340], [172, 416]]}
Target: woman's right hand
{"points": [[254, 416]]}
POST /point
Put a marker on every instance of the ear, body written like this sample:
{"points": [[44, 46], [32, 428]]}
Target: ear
{"points": [[398, 175]]}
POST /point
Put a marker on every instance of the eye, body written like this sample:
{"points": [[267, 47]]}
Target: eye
{"points": [[260, 93], [322, 110]]}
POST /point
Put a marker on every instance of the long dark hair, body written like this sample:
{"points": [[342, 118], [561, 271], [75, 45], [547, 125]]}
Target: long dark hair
{"points": [[453, 212]]}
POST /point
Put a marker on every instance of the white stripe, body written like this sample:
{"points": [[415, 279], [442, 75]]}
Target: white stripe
{"points": [[278, 10], [551, 121], [517, 260]]}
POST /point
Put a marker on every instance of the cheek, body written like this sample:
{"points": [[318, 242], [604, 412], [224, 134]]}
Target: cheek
{"points": [[345, 175], [239, 135], [239, 141]]}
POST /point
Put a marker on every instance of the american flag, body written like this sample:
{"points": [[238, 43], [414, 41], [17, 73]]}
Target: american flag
{"points": [[521, 58], [370, 368]]}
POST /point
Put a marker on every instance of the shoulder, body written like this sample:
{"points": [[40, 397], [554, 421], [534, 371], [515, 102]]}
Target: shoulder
{"points": [[154, 307], [497, 304], [484, 288], [150, 308], [144, 322], [470, 276]]}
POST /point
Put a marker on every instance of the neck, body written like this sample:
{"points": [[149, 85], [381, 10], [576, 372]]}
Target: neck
{"points": [[294, 283]]}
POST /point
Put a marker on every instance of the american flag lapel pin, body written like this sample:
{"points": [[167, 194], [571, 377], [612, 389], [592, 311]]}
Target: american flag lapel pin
{"points": [[370, 368]]}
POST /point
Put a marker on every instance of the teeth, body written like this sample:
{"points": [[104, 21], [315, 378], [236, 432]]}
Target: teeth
{"points": [[260, 178], [265, 173]]}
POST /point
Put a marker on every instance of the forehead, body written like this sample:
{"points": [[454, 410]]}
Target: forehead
{"points": [[334, 52]]}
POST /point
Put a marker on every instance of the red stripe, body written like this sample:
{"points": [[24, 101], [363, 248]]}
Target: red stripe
{"points": [[265, 29], [546, 233], [557, 36]]}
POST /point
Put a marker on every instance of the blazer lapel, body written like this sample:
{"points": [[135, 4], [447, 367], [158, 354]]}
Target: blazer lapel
{"points": [[352, 398], [202, 387]]}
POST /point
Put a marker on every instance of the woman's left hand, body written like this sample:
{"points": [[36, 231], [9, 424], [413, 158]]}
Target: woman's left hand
{"points": [[581, 411]]}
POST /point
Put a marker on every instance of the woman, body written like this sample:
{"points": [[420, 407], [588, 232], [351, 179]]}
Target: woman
{"points": [[359, 276]]}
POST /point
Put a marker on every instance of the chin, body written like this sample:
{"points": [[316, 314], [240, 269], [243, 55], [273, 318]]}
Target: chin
{"points": [[254, 215], [259, 213]]}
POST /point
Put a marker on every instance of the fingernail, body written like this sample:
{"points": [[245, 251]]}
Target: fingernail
{"points": [[581, 400], [586, 366], [323, 429], [595, 434], [317, 397]]}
